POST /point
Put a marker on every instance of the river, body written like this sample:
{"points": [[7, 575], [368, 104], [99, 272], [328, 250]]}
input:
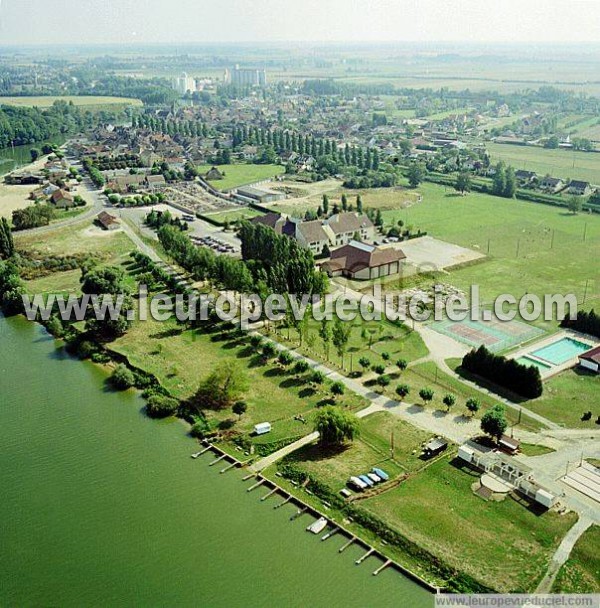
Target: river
{"points": [[19, 156], [102, 506]]}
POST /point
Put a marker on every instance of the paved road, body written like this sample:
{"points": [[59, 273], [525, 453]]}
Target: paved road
{"points": [[563, 552]]}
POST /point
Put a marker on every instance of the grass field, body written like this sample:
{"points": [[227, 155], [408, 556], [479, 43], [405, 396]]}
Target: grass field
{"points": [[240, 175], [581, 572], [371, 449], [503, 544], [78, 100], [559, 163], [180, 358], [531, 247], [244, 213], [379, 337]]}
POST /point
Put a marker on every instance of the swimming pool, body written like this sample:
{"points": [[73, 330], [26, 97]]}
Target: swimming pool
{"points": [[532, 362], [561, 351]]}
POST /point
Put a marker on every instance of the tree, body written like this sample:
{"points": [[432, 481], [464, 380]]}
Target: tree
{"points": [[473, 405], [552, 142], [7, 246], [449, 400], [325, 204], [317, 377], [222, 387], [510, 183], [337, 389], [575, 205], [268, 351], [463, 182], [326, 333], [383, 380], [499, 181], [122, 377], [415, 174], [493, 422], [364, 363], [344, 202], [35, 154], [239, 408], [426, 394], [402, 364], [301, 367], [379, 369], [285, 358], [340, 336], [359, 204], [335, 427], [402, 390], [385, 356]]}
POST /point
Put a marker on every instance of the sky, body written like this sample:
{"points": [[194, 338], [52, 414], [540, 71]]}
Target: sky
{"points": [[199, 21]]}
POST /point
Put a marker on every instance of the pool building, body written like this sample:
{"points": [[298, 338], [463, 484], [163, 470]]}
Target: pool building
{"points": [[591, 360]]}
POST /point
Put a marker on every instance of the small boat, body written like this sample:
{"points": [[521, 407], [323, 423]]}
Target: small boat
{"points": [[358, 483], [317, 526], [374, 478], [366, 480], [380, 473], [196, 454]]}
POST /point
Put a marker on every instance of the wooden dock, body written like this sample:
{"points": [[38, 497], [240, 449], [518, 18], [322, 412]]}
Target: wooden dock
{"points": [[360, 560], [305, 507]]}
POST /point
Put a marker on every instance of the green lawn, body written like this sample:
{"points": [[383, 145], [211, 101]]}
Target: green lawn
{"points": [[505, 544], [559, 163], [530, 449], [567, 396], [78, 100], [371, 449], [180, 358], [581, 572], [240, 175], [367, 339], [531, 247], [245, 213]]}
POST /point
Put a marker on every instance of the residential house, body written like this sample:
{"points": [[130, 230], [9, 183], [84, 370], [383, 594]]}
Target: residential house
{"points": [[579, 188], [552, 184], [313, 235], [62, 199], [107, 221], [155, 182], [348, 225], [525, 177], [362, 261]]}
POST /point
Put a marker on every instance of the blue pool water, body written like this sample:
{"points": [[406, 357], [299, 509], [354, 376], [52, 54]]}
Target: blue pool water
{"points": [[528, 361], [561, 351]]}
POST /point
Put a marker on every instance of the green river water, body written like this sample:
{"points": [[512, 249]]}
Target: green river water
{"points": [[101, 506]]}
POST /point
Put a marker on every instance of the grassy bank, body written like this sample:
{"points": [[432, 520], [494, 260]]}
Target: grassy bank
{"points": [[581, 572], [240, 175]]}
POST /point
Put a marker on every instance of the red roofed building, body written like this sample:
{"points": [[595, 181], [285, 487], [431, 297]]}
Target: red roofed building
{"points": [[362, 261], [591, 360]]}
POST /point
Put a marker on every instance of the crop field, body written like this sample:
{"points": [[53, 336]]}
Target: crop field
{"points": [[241, 175], [244, 213], [558, 163], [78, 100]]}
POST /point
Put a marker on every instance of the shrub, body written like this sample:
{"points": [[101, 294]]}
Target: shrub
{"points": [[160, 406], [122, 377]]}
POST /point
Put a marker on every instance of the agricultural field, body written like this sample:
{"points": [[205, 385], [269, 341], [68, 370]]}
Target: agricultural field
{"points": [[530, 246], [241, 175], [86, 101], [558, 163], [581, 572], [506, 545]]}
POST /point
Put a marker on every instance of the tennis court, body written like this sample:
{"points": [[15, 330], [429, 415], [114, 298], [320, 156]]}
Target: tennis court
{"points": [[495, 335]]}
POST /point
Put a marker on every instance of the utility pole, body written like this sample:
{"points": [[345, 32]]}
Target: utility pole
{"points": [[585, 291], [552, 242], [392, 444], [584, 231], [518, 247]]}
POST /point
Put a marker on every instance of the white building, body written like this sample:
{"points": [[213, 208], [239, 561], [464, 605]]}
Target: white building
{"points": [[184, 84]]}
